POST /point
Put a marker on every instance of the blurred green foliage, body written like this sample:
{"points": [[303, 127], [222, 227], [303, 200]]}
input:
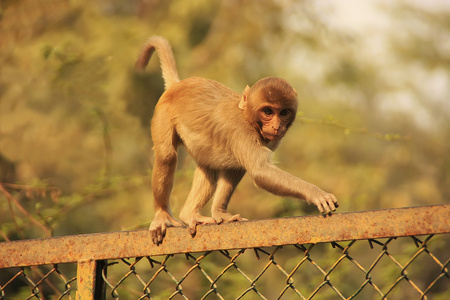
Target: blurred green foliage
{"points": [[75, 147], [74, 115]]}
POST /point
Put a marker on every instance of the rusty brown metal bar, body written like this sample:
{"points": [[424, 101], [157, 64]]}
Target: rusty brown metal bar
{"points": [[90, 284], [249, 234], [86, 274]]}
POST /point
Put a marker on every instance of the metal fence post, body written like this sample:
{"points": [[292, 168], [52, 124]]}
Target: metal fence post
{"points": [[90, 284]]}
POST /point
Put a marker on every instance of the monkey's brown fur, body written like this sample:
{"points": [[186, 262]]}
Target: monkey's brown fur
{"points": [[227, 134]]}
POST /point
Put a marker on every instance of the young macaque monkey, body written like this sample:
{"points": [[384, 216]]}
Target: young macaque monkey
{"points": [[227, 134]]}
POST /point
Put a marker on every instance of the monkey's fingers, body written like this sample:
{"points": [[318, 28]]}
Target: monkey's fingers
{"points": [[157, 239], [326, 203], [329, 205], [198, 220], [227, 217], [193, 229], [154, 240], [240, 218], [332, 202], [158, 234], [321, 207]]}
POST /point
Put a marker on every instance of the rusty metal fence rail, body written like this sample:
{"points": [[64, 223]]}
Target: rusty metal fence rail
{"points": [[385, 254]]}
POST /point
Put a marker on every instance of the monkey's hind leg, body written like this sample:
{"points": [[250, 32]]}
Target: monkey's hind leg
{"points": [[226, 184], [165, 147], [162, 180], [203, 187]]}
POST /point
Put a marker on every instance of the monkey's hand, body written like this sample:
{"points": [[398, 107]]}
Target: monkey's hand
{"points": [[226, 217], [194, 219], [325, 202], [163, 219]]}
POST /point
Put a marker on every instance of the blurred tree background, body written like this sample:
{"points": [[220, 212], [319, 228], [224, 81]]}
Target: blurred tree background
{"points": [[75, 147]]}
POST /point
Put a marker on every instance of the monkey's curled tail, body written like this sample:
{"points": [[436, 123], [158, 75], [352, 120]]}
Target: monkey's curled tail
{"points": [[165, 53]]}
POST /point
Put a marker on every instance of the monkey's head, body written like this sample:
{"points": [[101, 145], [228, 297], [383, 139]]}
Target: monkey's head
{"points": [[270, 106]]}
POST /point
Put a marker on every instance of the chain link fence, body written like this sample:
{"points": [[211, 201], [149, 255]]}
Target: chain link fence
{"points": [[320, 271], [395, 267]]}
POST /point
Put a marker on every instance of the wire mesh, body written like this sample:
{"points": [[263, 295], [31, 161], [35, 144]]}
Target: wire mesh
{"points": [[38, 282], [393, 268], [403, 268]]}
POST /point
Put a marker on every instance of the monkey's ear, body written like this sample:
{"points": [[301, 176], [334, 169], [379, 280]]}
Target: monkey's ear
{"points": [[243, 102]]}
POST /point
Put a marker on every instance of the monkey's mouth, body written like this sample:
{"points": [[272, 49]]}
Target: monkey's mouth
{"points": [[272, 136]]}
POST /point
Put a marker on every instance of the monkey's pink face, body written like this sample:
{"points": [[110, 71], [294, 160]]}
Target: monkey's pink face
{"points": [[274, 122]]}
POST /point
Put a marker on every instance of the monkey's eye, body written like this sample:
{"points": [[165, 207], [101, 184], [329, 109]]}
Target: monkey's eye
{"points": [[284, 112], [268, 111]]}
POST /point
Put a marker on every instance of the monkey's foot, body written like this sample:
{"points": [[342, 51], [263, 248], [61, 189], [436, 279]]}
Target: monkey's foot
{"points": [[158, 227], [227, 217], [194, 219]]}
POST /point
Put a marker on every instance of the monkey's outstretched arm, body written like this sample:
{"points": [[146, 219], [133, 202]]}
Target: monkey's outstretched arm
{"points": [[281, 183], [276, 181]]}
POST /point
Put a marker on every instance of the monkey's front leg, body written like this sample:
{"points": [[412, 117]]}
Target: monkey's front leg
{"points": [[228, 180], [281, 183], [203, 187]]}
